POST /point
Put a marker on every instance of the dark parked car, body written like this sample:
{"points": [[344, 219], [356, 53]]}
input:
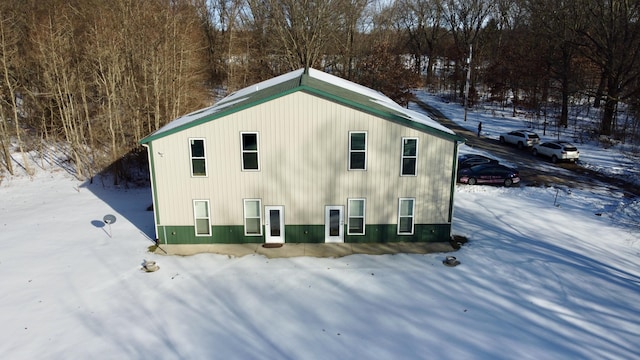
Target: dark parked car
{"points": [[489, 174], [468, 160]]}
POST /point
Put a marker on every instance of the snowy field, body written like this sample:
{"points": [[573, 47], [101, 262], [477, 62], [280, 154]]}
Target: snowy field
{"points": [[548, 273]]}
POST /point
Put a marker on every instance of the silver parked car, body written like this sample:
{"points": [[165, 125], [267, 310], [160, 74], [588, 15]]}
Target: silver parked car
{"points": [[520, 138], [557, 151]]}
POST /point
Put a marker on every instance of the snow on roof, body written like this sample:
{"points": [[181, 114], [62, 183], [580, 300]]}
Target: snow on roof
{"points": [[240, 96], [379, 98], [262, 85], [198, 114], [349, 85], [419, 118]]}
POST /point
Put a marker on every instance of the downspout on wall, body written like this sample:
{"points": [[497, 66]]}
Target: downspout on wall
{"points": [[454, 180]]}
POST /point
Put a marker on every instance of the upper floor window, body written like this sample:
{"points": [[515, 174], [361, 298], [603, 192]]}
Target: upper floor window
{"points": [[250, 158], [198, 159], [406, 208], [409, 158], [357, 150]]}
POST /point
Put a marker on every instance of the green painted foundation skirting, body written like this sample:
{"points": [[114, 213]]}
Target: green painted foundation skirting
{"points": [[234, 234]]}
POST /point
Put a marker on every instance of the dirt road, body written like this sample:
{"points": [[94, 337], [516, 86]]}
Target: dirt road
{"points": [[536, 171]]}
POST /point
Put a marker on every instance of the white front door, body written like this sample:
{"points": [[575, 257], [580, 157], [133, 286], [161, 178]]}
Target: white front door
{"points": [[334, 224], [274, 224]]}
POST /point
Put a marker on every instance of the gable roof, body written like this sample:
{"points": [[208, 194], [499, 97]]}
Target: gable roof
{"points": [[314, 82]]}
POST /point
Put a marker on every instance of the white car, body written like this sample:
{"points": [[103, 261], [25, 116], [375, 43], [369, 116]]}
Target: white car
{"points": [[557, 151], [520, 138]]}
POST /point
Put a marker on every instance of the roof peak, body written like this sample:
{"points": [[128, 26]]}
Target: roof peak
{"points": [[312, 81]]}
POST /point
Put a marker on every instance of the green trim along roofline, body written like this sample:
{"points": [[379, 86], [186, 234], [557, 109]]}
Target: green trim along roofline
{"points": [[379, 105]]}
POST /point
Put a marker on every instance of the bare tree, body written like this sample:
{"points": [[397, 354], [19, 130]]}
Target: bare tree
{"points": [[97, 76], [149, 66], [349, 45], [384, 69], [105, 75], [611, 39], [465, 20], [8, 41], [10, 90], [515, 55], [58, 57], [301, 28], [230, 19], [556, 25], [422, 20]]}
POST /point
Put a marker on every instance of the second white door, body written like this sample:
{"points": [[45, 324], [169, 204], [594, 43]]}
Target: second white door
{"points": [[334, 224], [274, 224]]}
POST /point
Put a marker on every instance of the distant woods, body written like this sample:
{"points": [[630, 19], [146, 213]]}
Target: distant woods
{"points": [[93, 76], [97, 76]]}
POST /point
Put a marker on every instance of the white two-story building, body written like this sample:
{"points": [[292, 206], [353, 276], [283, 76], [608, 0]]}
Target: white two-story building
{"points": [[305, 157]]}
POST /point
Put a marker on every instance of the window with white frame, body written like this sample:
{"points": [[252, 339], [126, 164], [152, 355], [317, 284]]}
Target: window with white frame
{"points": [[250, 146], [406, 207], [198, 159], [201, 215], [409, 159], [252, 217], [356, 217], [357, 150]]}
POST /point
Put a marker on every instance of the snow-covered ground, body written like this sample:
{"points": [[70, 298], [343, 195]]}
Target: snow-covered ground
{"points": [[617, 161], [548, 273]]}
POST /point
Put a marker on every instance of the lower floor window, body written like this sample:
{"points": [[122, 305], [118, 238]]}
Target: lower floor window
{"points": [[405, 216], [252, 217], [356, 213], [201, 215]]}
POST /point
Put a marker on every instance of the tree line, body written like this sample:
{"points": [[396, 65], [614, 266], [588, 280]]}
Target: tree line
{"points": [[92, 77]]}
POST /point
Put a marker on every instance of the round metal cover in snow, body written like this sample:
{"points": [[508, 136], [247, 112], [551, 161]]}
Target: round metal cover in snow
{"points": [[109, 219]]}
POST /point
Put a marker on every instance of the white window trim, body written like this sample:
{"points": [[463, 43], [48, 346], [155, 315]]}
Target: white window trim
{"points": [[195, 218], [191, 158], [244, 210], [402, 156], [243, 151], [366, 146], [364, 216], [413, 216]]}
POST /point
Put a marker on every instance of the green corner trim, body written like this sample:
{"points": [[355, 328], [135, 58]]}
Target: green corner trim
{"points": [[454, 180], [154, 185]]}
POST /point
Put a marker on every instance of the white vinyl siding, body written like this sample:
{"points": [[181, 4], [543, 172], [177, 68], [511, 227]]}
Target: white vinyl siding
{"points": [[356, 217], [252, 217], [250, 152], [357, 150], [201, 216], [197, 152], [303, 165], [406, 207], [409, 157]]}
